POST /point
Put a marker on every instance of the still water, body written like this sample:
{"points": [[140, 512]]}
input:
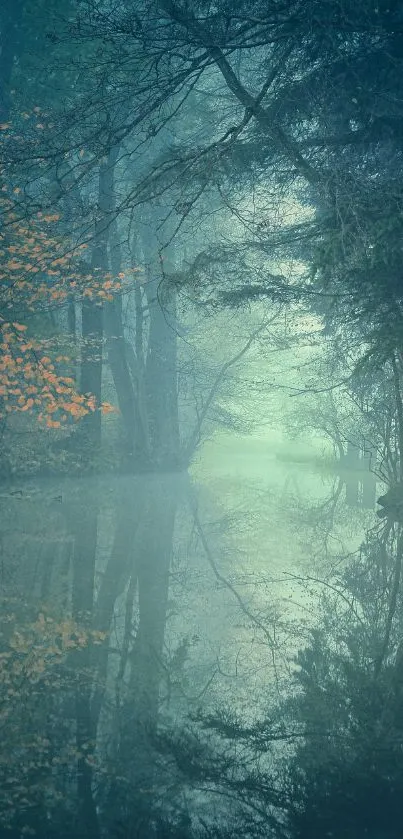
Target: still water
{"points": [[175, 646]]}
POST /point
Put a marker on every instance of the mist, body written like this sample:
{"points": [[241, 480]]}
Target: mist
{"points": [[201, 415]]}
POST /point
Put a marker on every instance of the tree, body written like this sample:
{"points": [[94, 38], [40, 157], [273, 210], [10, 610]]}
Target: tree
{"points": [[244, 156], [38, 275]]}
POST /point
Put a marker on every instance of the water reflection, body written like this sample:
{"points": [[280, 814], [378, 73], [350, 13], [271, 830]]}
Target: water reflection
{"points": [[173, 657], [89, 559]]}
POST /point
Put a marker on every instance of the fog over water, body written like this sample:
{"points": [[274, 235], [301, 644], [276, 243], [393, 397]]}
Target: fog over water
{"points": [[200, 588], [201, 419]]}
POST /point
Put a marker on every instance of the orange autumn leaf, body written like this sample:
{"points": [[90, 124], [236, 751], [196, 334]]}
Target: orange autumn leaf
{"points": [[29, 403], [36, 275]]}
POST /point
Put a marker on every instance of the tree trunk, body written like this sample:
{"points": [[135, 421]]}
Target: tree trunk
{"points": [[134, 434], [161, 377]]}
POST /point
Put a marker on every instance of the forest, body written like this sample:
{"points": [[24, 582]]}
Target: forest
{"points": [[201, 419]]}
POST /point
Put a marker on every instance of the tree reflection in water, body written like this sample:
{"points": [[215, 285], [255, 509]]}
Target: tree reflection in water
{"points": [[95, 749]]}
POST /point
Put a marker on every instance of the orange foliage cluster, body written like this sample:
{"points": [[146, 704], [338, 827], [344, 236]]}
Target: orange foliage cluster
{"points": [[29, 382], [37, 270], [36, 274]]}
